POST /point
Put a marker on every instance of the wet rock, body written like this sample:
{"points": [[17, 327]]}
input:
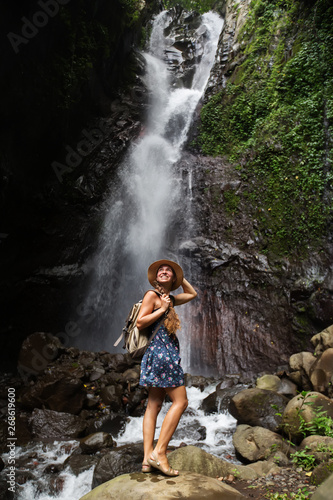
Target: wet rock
{"points": [[193, 431], [112, 424], [111, 395], [122, 460], [47, 424], [81, 463], [95, 442], [219, 400], [159, 487], [254, 407], [64, 395], [256, 443]]}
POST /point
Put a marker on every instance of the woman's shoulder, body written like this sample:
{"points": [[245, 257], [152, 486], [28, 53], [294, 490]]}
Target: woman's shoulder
{"points": [[152, 294]]}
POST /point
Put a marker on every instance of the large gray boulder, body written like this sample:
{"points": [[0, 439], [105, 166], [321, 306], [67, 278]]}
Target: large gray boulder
{"points": [[301, 410], [256, 407], [199, 461], [138, 486], [257, 443]]}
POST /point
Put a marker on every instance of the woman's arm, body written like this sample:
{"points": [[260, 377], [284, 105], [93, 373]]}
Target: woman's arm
{"points": [[188, 294], [147, 316]]}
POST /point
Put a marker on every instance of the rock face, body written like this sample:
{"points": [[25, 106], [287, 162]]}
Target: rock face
{"points": [[138, 486]]}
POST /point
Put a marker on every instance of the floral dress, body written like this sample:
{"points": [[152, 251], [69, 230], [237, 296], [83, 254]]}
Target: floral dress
{"points": [[160, 365]]}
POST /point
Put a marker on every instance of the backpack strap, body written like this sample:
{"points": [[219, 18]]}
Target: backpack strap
{"points": [[155, 329]]}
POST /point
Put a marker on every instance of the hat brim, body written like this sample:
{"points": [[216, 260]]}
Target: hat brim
{"points": [[154, 267]]}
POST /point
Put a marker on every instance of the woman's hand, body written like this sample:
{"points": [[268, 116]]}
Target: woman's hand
{"points": [[165, 302]]}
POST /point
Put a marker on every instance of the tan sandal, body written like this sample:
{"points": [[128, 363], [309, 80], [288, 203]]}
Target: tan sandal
{"points": [[156, 464]]}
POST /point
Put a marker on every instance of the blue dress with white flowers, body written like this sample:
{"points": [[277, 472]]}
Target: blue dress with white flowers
{"points": [[160, 365]]}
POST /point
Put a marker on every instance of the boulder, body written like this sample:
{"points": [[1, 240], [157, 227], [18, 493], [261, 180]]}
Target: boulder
{"points": [[301, 410], [321, 373], [257, 443], [323, 340], [219, 400], [258, 407], [138, 486], [96, 442], [195, 431], [37, 351], [81, 463], [302, 361], [122, 460], [62, 395], [269, 383], [111, 395], [47, 424], [197, 460]]}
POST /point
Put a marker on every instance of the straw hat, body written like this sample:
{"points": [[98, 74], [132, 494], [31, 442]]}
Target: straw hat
{"points": [[154, 267]]}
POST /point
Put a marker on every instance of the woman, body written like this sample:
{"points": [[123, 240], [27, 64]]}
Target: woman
{"points": [[160, 368]]}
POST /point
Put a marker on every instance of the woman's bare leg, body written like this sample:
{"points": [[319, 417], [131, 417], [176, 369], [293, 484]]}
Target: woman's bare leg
{"points": [[155, 400], [179, 404]]}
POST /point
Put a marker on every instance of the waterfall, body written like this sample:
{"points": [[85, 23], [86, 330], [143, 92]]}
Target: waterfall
{"points": [[149, 192]]}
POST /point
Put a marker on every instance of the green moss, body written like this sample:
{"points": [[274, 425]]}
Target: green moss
{"points": [[275, 119]]}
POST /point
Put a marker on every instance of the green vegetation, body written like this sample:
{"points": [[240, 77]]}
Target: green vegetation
{"points": [[303, 459], [200, 6], [301, 494], [274, 119]]}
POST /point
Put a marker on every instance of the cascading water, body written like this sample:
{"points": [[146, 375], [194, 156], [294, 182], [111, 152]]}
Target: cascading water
{"points": [[149, 192]]}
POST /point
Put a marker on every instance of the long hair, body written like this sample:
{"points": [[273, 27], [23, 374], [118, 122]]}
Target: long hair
{"points": [[171, 322]]}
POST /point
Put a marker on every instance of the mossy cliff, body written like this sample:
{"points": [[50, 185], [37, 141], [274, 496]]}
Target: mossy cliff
{"points": [[270, 115]]}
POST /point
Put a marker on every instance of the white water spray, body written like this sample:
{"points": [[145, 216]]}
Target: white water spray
{"points": [[148, 191]]}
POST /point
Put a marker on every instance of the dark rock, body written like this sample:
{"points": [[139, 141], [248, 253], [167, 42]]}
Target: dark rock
{"points": [[64, 395], [112, 424], [37, 351], [47, 424], [117, 462], [194, 431], [81, 463], [95, 442]]}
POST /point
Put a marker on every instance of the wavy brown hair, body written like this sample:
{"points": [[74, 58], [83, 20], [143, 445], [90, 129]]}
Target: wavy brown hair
{"points": [[171, 321]]}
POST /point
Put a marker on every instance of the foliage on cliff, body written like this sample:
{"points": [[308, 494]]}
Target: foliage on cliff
{"points": [[197, 5], [274, 120]]}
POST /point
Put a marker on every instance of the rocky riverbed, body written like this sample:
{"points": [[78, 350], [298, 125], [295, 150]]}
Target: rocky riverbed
{"points": [[71, 406]]}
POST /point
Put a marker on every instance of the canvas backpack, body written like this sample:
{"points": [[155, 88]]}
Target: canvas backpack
{"points": [[137, 341]]}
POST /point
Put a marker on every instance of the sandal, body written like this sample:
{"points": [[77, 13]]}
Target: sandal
{"points": [[156, 464], [146, 468]]}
